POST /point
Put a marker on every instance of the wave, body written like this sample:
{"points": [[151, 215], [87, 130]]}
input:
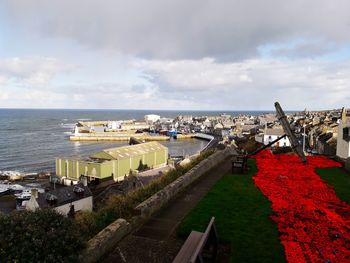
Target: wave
{"points": [[68, 125], [10, 173]]}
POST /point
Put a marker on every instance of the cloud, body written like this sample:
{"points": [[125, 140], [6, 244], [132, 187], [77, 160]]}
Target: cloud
{"points": [[178, 84], [32, 72], [179, 54], [226, 30], [305, 49], [252, 84]]}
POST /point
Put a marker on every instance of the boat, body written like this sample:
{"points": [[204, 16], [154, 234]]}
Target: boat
{"points": [[172, 133], [24, 195]]}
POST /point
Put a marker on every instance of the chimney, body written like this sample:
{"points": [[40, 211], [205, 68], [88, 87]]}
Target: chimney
{"points": [[32, 204], [34, 193], [343, 115]]}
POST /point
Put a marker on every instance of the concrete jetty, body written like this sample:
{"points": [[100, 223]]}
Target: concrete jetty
{"points": [[116, 137]]}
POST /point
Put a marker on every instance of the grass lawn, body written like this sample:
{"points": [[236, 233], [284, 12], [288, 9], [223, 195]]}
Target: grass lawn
{"points": [[339, 179], [241, 217]]}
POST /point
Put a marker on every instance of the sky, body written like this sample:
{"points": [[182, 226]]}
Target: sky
{"points": [[175, 55]]}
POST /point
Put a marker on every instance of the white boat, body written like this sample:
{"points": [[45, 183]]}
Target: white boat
{"points": [[25, 194]]}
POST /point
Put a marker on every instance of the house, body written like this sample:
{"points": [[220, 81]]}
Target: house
{"points": [[248, 129], [218, 126], [267, 119], [272, 134], [207, 123], [64, 200], [326, 144], [343, 139], [151, 118]]}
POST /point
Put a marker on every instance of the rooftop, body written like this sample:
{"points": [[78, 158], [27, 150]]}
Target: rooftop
{"points": [[128, 151], [274, 131], [62, 196]]}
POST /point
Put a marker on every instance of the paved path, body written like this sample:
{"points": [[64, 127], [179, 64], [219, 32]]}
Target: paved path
{"points": [[156, 240]]}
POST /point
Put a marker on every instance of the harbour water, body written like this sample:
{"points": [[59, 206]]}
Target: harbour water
{"points": [[30, 140]]}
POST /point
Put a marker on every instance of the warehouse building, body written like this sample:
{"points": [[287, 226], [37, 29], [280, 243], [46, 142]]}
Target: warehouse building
{"points": [[114, 163]]}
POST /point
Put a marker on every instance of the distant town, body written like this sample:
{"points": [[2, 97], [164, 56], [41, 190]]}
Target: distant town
{"points": [[319, 132]]}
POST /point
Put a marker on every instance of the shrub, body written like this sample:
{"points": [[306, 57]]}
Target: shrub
{"points": [[40, 236]]}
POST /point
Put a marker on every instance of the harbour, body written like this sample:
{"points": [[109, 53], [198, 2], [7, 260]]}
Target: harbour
{"points": [[32, 139]]}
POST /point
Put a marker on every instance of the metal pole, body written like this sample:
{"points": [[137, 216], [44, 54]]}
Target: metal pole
{"points": [[304, 135]]}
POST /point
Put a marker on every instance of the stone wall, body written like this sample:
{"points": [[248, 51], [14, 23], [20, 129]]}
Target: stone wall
{"points": [[158, 200], [105, 241]]}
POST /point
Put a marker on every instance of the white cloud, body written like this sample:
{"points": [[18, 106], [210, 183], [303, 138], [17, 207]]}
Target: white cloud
{"points": [[196, 74], [255, 83], [4, 96], [179, 84], [3, 80], [32, 72]]}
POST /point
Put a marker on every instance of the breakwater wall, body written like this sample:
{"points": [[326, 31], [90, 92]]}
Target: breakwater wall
{"points": [[109, 136], [206, 137], [116, 137], [108, 238]]}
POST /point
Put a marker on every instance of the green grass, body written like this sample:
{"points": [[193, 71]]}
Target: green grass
{"points": [[241, 217], [339, 179]]}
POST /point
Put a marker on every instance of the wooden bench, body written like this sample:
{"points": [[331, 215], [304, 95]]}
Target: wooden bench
{"points": [[199, 247]]}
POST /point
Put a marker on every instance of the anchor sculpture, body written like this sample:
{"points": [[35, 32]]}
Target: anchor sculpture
{"points": [[296, 146]]}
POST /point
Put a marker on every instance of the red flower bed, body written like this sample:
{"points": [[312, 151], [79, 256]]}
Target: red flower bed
{"points": [[313, 222]]}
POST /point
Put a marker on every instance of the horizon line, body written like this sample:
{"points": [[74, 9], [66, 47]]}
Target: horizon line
{"points": [[118, 109]]}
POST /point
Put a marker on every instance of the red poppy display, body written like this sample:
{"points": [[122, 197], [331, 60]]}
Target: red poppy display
{"points": [[314, 224]]}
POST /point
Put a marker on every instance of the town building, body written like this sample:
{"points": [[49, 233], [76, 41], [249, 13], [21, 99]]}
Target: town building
{"points": [[343, 139], [111, 164], [151, 118], [271, 134], [64, 200]]}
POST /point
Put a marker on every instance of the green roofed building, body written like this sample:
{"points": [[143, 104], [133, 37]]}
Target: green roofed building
{"points": [[112, 163]]}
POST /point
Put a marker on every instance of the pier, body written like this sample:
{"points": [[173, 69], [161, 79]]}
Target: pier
{"points": [[213, 140], [118, 136]]}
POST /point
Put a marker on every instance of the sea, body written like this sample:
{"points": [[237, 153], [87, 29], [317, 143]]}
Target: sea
{"points": [[31, 139]]}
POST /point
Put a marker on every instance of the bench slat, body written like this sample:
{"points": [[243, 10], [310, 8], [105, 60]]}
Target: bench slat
{"points": [[188, 247], [203, 240]]}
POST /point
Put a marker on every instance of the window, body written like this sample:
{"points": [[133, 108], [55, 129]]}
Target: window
{"points": [[346, 134]]}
